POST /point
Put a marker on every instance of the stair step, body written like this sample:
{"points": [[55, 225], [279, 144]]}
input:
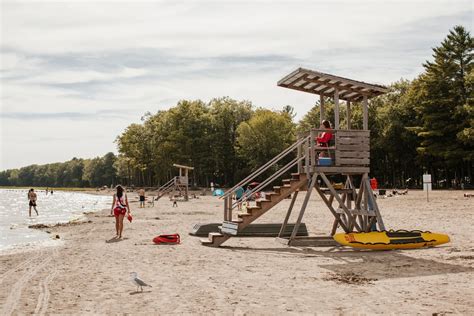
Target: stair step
{"points": [[243, 214], [212, 235], [271, 193], [256, 207], [286, 180], [230, 228], [295, 176]]}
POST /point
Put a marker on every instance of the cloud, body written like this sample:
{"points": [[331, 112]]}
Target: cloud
{"points": [[99, 115], [98, 66]]}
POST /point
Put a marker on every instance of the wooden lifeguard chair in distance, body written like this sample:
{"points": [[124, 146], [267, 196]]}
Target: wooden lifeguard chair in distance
{"points": [[178, 185], [354, 208]]}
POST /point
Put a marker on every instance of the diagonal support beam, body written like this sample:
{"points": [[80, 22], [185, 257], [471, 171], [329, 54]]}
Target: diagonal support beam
{"points": [[341, 203], [288, 213], [303, 208], [338, 219]]}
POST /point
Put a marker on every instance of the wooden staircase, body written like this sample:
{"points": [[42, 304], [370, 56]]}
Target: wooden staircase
{"points": [[298, 181]]}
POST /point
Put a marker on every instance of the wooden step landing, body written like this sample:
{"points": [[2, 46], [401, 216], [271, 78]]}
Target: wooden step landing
{"points": [[310, 241]]}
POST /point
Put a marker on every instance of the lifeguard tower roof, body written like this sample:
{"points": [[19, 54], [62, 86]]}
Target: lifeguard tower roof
{"points": [[325, 84]]}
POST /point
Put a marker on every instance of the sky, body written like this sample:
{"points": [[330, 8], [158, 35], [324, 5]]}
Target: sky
{"points": [[75, 74]]}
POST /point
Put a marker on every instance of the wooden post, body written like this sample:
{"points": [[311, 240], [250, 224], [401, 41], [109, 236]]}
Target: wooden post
{"points": [[336, 109], [312, 151], [226, 210], [300, 154], [288, 213], [365, 111], [348, 103], [186, 180], [303, 207], [321, 110]]}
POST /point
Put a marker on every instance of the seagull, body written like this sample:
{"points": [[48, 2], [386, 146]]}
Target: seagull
{"points": [[137, 281]]}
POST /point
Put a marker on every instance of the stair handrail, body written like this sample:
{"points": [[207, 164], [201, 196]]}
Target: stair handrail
{"points": [[267, 181], [167, 185], [265, 167]]}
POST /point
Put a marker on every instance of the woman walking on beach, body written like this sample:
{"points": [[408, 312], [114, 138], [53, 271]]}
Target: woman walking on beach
{"points": [[119, 208], [32, 198]]}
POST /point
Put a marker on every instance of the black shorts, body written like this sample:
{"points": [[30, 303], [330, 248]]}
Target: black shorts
{"points": [[142, 199], [32, 203]]}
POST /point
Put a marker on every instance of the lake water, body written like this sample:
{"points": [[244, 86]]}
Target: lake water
{"points": [[59, 207]]}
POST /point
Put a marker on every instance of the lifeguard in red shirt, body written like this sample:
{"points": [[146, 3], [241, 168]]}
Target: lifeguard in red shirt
{"points": [[324, 138]]}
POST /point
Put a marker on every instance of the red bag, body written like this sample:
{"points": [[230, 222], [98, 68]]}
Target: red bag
{"points": [[167, 239]]}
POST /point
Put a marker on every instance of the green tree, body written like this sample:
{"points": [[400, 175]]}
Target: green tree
{"points": [[443, 93], [264, 136]]}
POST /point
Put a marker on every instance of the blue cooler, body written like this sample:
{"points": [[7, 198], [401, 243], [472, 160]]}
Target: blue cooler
{"points": [[324, 161]]}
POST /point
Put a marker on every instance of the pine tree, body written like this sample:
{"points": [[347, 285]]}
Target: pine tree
{"points": [[443, 91]]}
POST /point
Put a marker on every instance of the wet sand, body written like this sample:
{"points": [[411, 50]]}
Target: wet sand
{"points": [[86, 275]]}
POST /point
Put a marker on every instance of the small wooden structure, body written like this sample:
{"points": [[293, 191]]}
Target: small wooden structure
{"points": [[354, 207], [177, 186]]}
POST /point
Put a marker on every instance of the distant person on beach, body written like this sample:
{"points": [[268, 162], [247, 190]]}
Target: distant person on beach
{"points": [[47, 191], [119, 208], [141, 194], [239, 192], [51, 192], [32, 198]]}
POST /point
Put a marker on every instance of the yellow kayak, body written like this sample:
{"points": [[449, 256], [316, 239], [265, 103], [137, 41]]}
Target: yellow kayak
{"points": [[385, 240]]}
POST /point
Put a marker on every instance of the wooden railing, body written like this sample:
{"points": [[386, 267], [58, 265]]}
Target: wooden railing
{"points": [[229, 205], [348, 148]]}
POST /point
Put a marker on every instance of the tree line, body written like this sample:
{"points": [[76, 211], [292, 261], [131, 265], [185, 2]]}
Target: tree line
{"points": [[420, 126]]}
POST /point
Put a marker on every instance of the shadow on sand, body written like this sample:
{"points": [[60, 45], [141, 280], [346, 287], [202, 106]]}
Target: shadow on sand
{"points": [[375, 264], [112, 240], [139, 292]]}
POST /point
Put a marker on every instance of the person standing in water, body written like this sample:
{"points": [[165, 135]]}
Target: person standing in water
{"points": [[119, 208], [32, 198]]}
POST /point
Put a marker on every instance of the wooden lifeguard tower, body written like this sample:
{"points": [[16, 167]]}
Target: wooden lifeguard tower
{"points": [[178, 185], [354, 207]]}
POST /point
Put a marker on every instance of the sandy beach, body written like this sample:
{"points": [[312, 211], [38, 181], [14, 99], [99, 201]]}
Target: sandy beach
{"points": [[248, 276]]}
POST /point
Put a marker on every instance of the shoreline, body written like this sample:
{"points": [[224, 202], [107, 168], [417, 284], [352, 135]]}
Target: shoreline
{"points": [[86, 275], [44, 224]]}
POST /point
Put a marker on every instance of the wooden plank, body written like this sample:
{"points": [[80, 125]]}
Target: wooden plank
{"points": [[352, 154], [336, 109], [348, 114], [352, 161], [361, 147], [374, 203], [288, 213], [303, 207], [352, 141], [353, 132], [343, 169], [365, 113], [337, 86], [322, 113], [311, 241]]}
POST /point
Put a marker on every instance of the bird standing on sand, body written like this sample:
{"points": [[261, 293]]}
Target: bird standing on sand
{"points": [[137, 281]]}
